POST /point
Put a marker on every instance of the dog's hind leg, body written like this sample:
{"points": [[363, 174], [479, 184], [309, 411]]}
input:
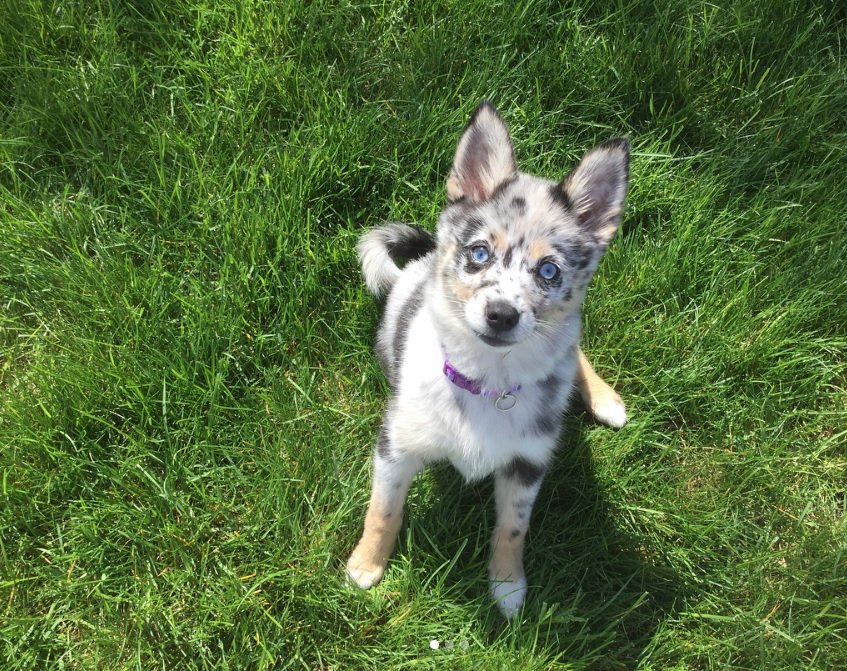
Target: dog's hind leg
{"points": [[393, 473], [601, 400]]}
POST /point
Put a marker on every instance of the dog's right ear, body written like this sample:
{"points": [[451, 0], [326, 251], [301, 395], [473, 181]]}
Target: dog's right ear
{"points": [[484, 158], [595, 189]]}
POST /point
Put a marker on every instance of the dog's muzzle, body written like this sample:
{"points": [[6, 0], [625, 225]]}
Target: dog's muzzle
{"points": [[501, 317]]}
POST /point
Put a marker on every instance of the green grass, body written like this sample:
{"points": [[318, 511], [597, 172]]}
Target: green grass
{"points": [[188, 396]]}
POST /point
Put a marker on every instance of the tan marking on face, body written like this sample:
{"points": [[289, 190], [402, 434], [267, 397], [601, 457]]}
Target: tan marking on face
{"points": [[539, 249], [501, 241], [459, 290], [446, 259], [462, 291]]}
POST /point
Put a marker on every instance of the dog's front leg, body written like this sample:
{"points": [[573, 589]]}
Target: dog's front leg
{"points": [[515, 489], [393, 473]]}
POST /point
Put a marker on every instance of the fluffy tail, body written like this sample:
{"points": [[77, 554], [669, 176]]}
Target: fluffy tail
{"points": [[380, 250]]}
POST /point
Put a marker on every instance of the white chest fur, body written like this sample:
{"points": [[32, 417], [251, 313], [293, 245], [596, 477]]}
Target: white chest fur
{"points": [[436, 420]]}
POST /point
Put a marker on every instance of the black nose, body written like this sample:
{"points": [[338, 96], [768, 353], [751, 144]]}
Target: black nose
{"points": [[501, 316]]}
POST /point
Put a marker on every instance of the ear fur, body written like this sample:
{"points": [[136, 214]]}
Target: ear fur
{"points": [[596, 188], [484, 157]]}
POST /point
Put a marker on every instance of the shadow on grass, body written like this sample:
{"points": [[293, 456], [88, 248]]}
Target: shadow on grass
{"points": [[596, 596]]}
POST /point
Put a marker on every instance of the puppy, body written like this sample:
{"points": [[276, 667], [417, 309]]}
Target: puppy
{"points": [[480, 336]]}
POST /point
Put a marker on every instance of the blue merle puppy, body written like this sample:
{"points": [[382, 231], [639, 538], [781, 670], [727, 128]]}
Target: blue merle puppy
{"points": [[480, 336]]}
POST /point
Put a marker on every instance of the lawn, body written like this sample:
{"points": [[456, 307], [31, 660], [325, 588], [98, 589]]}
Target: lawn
{"points": [[188, 393]]}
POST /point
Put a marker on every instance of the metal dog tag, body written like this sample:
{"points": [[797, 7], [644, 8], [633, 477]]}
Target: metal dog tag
{"points": [[505, 401]]}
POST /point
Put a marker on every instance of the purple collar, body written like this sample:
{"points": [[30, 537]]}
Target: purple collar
{"points": [[506, 398]]}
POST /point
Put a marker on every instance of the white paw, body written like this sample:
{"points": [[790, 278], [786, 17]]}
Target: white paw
{"points": [[509, 595], [365, 575], [610, 411]]}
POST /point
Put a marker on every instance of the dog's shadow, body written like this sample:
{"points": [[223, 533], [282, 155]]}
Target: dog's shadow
{"points": [[596, 596]]}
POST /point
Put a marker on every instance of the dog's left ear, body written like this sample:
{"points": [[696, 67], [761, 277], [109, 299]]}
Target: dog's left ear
{"points": [[484, 158], [596, 188]]}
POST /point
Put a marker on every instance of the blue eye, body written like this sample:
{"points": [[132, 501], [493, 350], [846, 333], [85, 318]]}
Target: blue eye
{"points": [[479, 254], [548, 270]]}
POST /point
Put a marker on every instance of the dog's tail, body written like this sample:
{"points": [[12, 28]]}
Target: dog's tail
{"points": [[383, 249]]}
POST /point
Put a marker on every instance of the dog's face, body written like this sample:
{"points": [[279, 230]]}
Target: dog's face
{"points": [[515, 252]]}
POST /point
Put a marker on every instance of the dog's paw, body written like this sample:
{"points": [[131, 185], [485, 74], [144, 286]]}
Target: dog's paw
{"points": [[509, 595], [609, 409], [362, 572]]}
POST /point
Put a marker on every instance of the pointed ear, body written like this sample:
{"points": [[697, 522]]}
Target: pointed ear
{"points": [[596, 188], [484, 158]]}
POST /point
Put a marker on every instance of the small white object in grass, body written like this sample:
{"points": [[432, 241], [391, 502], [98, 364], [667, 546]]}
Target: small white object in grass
{"points": [[435, 644]]}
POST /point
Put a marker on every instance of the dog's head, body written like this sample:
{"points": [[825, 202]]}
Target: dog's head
{"points": [[516, 251]]}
